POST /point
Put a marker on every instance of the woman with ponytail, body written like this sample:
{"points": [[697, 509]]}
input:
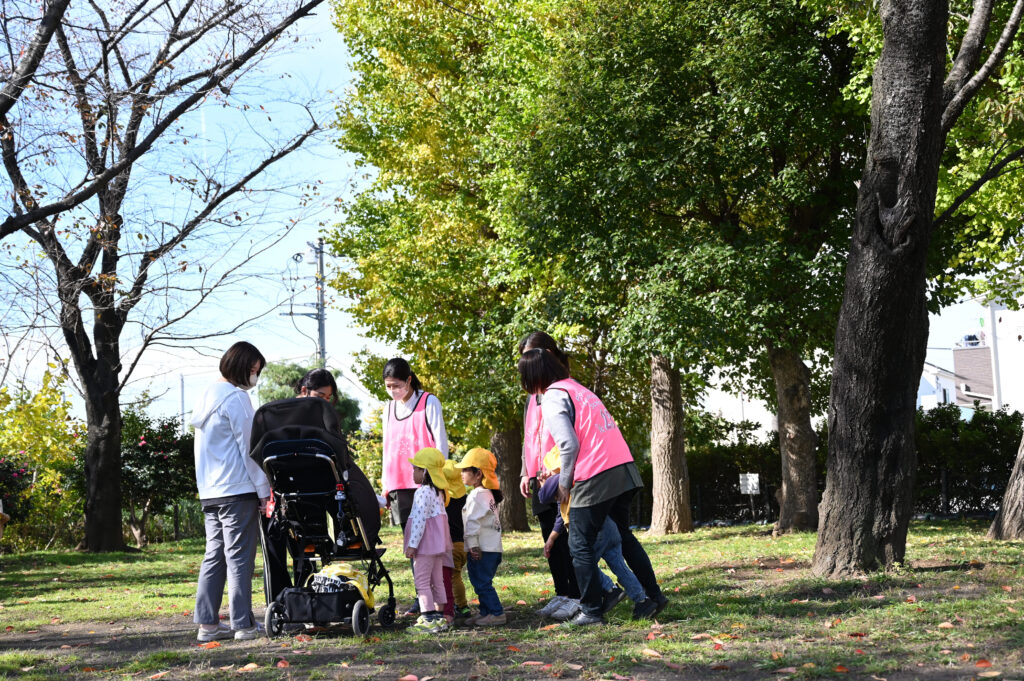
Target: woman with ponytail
{"points": [[411, 421]]}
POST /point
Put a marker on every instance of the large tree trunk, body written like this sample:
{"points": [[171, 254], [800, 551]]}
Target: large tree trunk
{"points": [[103, 475], [507, 446], [671, 482], [883, 323], [798, 506], [1009, 521]]}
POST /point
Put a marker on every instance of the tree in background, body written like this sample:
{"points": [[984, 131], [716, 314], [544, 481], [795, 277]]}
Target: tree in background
{"points": [[699, 160], [158, 468], [278, 382], [112, 253]]}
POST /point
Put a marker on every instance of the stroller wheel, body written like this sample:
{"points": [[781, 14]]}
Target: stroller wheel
{"points": [[386, 616], [360, 619], [273, 621]]}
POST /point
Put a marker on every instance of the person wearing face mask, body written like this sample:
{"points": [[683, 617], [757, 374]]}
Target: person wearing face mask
{"points": [[232, 490], [412, 420]]}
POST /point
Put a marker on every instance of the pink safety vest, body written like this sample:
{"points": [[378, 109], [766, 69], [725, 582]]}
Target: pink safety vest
{"points": [[536, 439], [602, 446], [405, 437]]}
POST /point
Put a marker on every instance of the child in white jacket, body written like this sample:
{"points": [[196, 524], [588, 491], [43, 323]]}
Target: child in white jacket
{"points": [[482, 533]]}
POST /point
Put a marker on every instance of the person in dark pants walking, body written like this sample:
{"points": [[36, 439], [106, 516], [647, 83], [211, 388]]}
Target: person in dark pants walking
{"points": [[597, 466], [565, 603]]}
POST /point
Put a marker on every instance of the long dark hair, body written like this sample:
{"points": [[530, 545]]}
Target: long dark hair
{"points": [[400, 369], [316, 379], [538, 369], [539, 339]]}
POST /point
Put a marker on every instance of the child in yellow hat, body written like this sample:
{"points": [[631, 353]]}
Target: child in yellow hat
{"points": [[457, 606], [428, 541], [482, 532]]}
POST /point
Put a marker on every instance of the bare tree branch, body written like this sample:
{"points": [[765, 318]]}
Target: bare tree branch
{"points": [[970, 49], [959, 100], [15, 222], [26, 68]]}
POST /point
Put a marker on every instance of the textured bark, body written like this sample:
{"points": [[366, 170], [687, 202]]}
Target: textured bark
{"points": [[883, 323], [671, 481], [103, 474], [1009, 521], [798, 503], [507, 446]]}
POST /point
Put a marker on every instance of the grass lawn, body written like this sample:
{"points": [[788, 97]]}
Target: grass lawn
{"points": [[742, 606]]}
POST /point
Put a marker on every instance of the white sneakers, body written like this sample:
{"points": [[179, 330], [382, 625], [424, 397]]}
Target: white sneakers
{"points": [[214, 632], [552, 605], [209, 632], [567, 610]]}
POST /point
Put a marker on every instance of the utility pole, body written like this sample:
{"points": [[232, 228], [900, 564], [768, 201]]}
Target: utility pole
{"points": [[321, 307]]}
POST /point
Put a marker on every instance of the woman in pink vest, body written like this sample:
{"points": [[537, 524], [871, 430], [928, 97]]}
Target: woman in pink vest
{"points": [[411, 421], [598, 468], [565, 603]]}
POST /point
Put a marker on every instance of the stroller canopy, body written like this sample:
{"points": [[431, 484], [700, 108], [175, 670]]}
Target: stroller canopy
{"points": [[311, 418]]}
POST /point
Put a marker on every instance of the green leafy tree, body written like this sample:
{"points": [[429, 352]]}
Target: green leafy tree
{"points": [[158, 468], [940, 66], [279, 380], [690, 165]]}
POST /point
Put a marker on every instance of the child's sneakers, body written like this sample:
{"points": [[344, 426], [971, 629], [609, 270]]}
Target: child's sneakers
{"points": [[430, 625], [463, 613], [490, 620], [552, 605]]}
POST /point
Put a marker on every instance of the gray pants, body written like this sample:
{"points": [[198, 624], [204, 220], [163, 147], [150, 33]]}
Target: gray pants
{"points": [[232, 532]]}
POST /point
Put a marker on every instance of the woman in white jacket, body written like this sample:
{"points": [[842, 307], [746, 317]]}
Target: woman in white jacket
{"points": [[232, 489]]}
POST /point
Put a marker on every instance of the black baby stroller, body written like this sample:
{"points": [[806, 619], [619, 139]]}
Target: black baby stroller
{"points": [[325, 515]]}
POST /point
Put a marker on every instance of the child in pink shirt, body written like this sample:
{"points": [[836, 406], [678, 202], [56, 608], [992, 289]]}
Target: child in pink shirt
{"points": [[428, 541]]}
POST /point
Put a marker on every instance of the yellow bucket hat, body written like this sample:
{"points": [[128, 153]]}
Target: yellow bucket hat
{"points": [[553, 460], [456, 487], [433, 461], [478, 457]]}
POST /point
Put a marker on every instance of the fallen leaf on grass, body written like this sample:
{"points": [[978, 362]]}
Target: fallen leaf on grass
{"points": [[8, 628], [718, 646], [946, 625], [550, 627], [911, 599], [28, 669], [574, 667], [651, 636], [209, 644], [673, 665], [282, 663], [513, 649], [965, 657], [533, 663], [409, 677], [982, 663], [88, 669], [990, 674], [1007, 589], [520, 602], [700, 637], [945, 651], [304, 638], [776, 655], [650, 652], [786, 670], [840, 669], [833, 623], [720, 667], [158, 675], [227, 668], [859, 651], [857, 634], [249, 667]]}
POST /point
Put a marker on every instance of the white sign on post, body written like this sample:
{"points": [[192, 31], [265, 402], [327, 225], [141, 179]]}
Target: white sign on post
{"points": [[750, 483]]}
